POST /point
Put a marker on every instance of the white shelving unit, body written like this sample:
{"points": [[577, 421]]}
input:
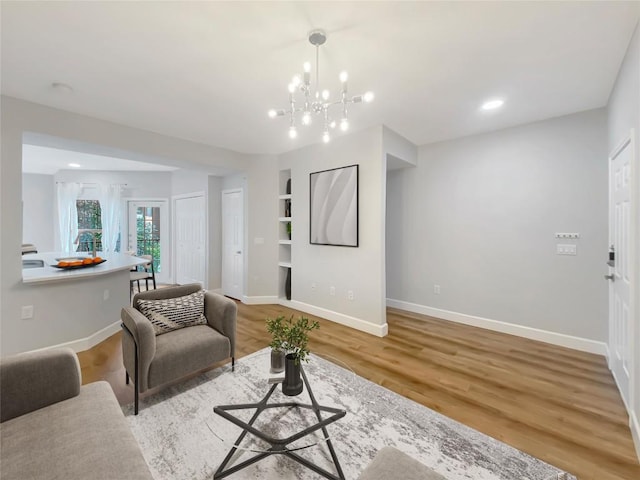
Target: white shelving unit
{"points": [[284, 237]]}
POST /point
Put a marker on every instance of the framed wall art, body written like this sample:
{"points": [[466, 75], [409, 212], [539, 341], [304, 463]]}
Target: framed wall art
{"points": [[333, 207]]}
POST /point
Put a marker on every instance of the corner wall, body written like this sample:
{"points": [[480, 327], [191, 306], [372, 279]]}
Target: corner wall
{"points": [[477, 218], [317, 268]]}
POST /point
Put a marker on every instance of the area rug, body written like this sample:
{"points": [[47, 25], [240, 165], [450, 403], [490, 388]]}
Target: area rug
{"points": [[183, 439]]}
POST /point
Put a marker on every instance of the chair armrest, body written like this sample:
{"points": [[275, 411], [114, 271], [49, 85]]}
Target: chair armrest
{"points": [[143, 334], [221, 315], [34, 380]]}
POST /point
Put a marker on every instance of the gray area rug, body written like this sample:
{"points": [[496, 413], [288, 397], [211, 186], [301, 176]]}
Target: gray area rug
{"points": [[182, 438]]}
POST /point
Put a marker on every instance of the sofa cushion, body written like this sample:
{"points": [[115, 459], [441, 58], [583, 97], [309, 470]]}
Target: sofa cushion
{"points": [[390, 463], [170, 314], [186, 351], [83, 437]]}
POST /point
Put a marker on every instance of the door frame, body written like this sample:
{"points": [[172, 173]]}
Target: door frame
{"points": [[240, 190], [174, 199], [634, 296], [165, 240]]}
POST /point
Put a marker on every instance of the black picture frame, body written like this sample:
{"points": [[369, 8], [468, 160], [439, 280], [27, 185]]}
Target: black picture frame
{"points": [[334, 207]]}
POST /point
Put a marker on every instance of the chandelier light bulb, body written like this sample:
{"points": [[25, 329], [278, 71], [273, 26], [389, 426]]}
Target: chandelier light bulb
{"points": [[333, 124], [344, 76], [293, 133], [325, 95], [368, 97], [344, 124], [272, 113], [306, 67], [326, 138], [296, 80], [306, 118], [292, 88]]}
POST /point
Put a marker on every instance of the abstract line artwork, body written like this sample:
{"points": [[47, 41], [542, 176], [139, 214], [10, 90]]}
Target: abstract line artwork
{"points": [[334, 207]]}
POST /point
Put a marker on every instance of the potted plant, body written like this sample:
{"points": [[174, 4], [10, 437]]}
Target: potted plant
{"points": [[296, 338], [275, 326], [289, 229]]}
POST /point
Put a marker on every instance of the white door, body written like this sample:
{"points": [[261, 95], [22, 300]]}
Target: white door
{"points": [[190, 239], [621, 273], [147, 229], [233, 243]]}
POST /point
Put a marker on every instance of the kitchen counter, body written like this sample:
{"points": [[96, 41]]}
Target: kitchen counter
{"points": [[114, 262]]}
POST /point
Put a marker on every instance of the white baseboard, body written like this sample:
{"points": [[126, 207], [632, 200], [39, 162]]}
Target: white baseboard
{"points": [[86, 343], [353, 322], [569, 341], [634, 425], [262, 300]]}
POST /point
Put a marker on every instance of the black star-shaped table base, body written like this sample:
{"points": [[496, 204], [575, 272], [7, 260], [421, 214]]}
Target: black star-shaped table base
{"points": [[279, 446]]}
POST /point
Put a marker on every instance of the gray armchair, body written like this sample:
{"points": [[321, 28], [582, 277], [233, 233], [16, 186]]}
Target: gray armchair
{"points": [[154, 360]]}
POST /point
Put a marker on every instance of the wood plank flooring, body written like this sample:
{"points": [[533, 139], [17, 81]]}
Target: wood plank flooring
{"points": [[557, 404]]}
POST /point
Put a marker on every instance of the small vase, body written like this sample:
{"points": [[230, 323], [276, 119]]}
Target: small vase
{"points": [[287, 285], [277, 361], [288, 187], [292, 384]]}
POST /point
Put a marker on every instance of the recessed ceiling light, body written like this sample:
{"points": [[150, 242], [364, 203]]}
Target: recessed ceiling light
{"points": [[492, 104], [74, 165]]}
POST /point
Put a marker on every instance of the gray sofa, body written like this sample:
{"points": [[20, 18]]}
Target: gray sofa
{"points": [[391, 463], [51, 427]]}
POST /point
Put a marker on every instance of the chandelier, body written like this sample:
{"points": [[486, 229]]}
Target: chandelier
{"points": [[312, 101]]}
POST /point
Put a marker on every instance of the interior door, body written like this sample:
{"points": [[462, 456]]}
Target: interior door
{"points": [[233, 243], [147, 229], [621, 268], [190, 240]]}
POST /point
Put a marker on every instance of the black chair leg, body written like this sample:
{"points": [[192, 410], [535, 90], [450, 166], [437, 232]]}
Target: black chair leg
{"points": [[233, 363], [126, 376]]}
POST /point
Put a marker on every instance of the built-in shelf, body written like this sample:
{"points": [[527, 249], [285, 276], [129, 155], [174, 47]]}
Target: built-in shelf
{"points": [[284, 236]]}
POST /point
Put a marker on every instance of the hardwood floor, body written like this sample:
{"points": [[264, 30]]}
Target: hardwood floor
{"points": [[557, 404]]}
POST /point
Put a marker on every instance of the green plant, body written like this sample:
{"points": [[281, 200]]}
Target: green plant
{"points": [[291, 336], [276, 327], [289, 228]]}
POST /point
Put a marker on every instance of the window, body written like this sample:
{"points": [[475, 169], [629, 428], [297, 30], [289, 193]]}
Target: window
{"points": [[89, 225]]}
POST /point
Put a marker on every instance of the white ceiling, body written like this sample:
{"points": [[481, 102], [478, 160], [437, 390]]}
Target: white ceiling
{"points": [[48, 161], [209, 71]]}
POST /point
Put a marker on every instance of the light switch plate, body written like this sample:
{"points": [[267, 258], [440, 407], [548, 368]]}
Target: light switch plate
{"points": [[566, 249]]}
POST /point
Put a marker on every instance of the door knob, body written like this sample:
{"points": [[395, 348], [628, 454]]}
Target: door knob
{"points": [[611, 277]]}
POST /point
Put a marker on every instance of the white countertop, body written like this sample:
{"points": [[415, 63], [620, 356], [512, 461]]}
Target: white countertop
{"points": [[114, 262]]}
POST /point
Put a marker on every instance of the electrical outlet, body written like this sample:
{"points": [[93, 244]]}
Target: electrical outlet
{"points": [[350, 295], [105, 295], [27, 312], [572, 236], [332, 291], [436, 289], [313, 286], [566, 249]]}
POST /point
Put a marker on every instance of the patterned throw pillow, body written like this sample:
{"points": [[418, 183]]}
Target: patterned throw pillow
{"points": [[171, 314]]}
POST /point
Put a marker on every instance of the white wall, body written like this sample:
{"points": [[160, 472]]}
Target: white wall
{"points": [[214, 202], [477, 216], [624, 115], [51, 325], [37, 210], [357, 269]]}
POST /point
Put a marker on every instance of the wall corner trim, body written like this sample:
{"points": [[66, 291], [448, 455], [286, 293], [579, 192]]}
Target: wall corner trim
{"points": [[560, 339], [261, 300], [82, 344], [353, 322]]}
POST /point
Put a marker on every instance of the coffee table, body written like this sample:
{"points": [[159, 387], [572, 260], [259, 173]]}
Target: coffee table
{"points": [[281, 446]]}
